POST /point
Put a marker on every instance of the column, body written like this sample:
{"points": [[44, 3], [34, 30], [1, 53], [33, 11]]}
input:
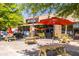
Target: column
{"points": [[57, 29]]}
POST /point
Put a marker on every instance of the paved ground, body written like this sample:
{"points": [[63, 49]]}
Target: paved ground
{"points": [[11, 48], [18, 48]]}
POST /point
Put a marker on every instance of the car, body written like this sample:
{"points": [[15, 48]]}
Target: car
{"points": [[3, 34]]}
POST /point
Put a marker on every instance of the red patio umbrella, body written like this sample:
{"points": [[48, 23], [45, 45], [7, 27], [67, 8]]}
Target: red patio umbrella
{"points": [[56, 21], [66, 22], [61, 21], [48, 21]]}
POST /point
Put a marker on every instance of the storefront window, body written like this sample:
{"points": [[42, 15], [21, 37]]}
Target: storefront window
{"points": [[69, 29], [76, 25]]}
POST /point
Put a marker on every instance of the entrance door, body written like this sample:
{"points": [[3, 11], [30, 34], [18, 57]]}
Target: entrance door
{"points": [[76, 34], [49, 32]]}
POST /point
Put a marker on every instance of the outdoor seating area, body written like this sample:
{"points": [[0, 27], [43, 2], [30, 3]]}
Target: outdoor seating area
{"points": [[51, 43], [39, 29]]}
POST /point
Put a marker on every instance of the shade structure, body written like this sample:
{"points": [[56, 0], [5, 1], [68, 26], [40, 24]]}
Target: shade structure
{"points": [[66, 22], [56, 21], [61, 21], [49, 21]]}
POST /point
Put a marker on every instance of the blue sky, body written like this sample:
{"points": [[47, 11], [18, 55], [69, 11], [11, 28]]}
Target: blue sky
{"points": [[26, 15]]}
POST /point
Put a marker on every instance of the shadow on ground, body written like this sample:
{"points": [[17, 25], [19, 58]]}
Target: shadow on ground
{"points": [[72, 51]]}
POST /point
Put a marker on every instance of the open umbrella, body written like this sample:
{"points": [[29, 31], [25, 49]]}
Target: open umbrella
{"points": [[49, 21], [66, 22], [63, 21], [56, 21]]}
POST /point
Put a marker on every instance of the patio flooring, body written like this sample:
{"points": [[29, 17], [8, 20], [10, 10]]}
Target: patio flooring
{"points": [[18, 48]]}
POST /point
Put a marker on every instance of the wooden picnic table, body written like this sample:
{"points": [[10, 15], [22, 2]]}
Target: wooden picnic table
{"points": [[10, 37], [43, 49], [30, 40]]}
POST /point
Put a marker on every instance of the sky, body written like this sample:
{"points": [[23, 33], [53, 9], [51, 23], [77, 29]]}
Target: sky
{"points": [[26, 15]]}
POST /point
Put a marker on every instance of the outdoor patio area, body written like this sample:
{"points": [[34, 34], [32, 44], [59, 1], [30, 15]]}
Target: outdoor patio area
{"points": [[39, 29], [19, 48]]}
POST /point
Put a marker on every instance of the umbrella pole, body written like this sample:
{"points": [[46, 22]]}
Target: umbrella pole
{"points": [[66, 29]]}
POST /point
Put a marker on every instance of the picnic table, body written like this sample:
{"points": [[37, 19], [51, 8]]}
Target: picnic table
{"points": [[10, 37], [30, 40], [57, 50]]}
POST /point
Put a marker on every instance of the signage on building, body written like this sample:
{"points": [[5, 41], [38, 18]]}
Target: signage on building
{"points": [[31, 20]]}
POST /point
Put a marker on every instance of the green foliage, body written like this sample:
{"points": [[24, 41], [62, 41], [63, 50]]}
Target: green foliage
{"points": [[9, 15], [67, 9], [62, 9], [35, 8]]}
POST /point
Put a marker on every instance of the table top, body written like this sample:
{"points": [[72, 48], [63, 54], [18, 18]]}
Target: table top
{"points": [[31, 37]]}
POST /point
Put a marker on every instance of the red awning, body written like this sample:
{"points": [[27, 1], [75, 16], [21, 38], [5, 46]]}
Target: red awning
{"points": [[55, 21], [66, 22]]}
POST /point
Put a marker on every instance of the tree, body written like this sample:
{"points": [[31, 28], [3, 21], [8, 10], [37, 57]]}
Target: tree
{"points": [[62, 9], [35, 9], [68, 9], [38, 8], [10, 15]]}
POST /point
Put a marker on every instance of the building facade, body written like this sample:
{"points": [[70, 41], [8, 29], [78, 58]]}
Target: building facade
{"points": [[57, 28]]}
